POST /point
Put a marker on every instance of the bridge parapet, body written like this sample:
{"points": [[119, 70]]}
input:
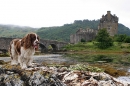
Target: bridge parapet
{"points": [[4, 44], [56, 45]]}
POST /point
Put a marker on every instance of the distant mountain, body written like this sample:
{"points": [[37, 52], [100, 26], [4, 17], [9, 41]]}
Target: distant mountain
{"points": [[60, 33], [63, 33], [15, 31], [123, 29]]}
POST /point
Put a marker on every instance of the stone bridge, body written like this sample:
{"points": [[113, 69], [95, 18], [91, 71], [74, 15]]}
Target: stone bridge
{"points": [[45, 45], [51, 44]]}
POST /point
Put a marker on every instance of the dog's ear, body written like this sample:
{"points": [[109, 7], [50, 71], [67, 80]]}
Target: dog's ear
{"points": [[26, 41], [22, 42]]}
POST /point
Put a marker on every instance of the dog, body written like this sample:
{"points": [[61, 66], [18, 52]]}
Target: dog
{"points": [[22, 50]]}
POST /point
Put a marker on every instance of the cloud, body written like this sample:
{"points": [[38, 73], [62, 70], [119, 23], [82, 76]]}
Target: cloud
{"points": [[45, 13]]}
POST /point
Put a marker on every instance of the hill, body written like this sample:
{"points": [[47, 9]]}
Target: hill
{"points": [[15, 31], [63, 33]]}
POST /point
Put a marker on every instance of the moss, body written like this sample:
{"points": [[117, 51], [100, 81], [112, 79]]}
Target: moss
{"points": [[83, 67], [111, 70], [2, 62], [4, 55]]}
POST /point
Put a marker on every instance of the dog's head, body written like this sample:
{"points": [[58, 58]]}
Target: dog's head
{"points": [[31, 40]]}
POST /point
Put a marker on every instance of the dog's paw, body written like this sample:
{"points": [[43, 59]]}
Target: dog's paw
{"points": [[14, 62], [24, 66], [30, 65]]}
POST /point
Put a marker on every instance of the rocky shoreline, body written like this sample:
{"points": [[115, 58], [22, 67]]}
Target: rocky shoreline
{"points": [[56, 75]]}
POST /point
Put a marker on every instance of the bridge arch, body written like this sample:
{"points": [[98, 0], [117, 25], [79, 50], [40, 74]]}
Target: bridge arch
{"points": [[54, 47], [49, 47], [43, 48]]}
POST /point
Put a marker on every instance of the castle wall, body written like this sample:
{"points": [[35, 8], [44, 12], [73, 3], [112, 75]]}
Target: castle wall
{"points": [[111, 28], [73, 38], [87, 35]]}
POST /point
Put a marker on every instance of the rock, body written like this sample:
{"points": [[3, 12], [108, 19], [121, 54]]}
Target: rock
{"points": [[55, 76], [10, 80], [70, 76], [2, 62], [62, 69]]}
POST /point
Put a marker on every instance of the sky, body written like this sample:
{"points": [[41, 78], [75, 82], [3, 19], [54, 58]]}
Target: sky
{"points": [[47, 13]]}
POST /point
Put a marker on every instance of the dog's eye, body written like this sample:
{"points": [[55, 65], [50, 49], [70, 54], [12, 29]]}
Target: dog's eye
{"points": [[38, 37]]}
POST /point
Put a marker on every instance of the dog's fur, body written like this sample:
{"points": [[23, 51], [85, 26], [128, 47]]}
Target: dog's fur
{"points": [[22, 50]]}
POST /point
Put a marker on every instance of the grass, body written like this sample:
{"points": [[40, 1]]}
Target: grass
{"points": [[92, 58], [90, 47]]}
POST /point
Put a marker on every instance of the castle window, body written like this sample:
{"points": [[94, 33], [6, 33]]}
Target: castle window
{"points": [[109, 27]]}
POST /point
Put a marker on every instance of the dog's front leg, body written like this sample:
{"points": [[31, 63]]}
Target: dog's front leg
{"points": [[20, 60], [14, 59], [30, 60], [23, 61]]}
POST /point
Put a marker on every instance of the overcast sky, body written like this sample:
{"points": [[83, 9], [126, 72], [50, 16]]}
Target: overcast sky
{"points": [[45, 13]]}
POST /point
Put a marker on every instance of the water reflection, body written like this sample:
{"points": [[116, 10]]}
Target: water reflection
{"points": [[129, 70], [124, 78]]}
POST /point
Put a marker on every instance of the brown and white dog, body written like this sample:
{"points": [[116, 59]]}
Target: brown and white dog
{"points": [[22, 50]]}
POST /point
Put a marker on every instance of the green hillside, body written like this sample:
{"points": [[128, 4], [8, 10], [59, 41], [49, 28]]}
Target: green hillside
{"points": [[14, 31], [63, 33]]}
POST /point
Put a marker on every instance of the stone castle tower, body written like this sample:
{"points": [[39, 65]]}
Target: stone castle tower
{"points": [[110, 22]]}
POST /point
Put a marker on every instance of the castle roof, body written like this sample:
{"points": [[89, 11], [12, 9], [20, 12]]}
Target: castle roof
{"points": [[109, 18]]}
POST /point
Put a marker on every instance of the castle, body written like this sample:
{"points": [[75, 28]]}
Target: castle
{"points": [[109, 22]]}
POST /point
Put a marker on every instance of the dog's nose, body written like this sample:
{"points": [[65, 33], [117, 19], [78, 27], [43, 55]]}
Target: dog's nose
{"points": [[37, 42]]}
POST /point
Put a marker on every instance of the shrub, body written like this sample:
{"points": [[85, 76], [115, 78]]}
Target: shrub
{"points": [[103, 39], [127, 39], [83, 40]]}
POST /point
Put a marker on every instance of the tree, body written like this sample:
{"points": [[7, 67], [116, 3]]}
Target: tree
{"points": [[120, 38], [103, 39], [127, 39]]}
